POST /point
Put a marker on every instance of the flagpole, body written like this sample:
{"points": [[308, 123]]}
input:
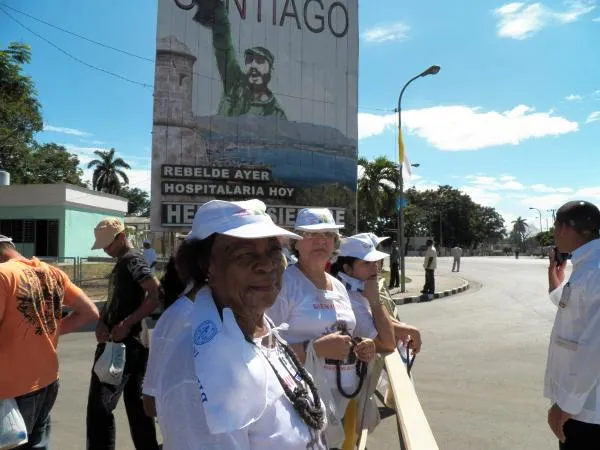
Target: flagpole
{"points": [[400, 188]]}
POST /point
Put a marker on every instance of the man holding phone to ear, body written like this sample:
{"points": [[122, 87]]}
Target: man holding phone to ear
{"points": [[572, 381]]}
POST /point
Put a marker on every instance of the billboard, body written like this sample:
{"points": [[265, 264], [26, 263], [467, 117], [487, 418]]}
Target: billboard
{"points": [[255, 99]]}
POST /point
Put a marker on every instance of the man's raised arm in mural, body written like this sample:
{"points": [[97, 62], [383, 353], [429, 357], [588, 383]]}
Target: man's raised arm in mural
{"points": [[245, 90]]}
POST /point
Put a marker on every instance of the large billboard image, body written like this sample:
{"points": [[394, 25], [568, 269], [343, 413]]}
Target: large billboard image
{"points": [[255, 99]]}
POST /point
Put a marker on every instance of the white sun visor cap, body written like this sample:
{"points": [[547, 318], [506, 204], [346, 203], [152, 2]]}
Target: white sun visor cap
{"points": [[315, 219], [245, 219], [361, 246]]}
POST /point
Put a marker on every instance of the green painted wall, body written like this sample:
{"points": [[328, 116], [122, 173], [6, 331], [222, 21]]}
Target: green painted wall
{"points": [[75, 227], [37, 212], [80, 224]]}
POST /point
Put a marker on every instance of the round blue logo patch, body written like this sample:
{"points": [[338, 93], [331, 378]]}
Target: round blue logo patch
{"points": [[205, 332]]}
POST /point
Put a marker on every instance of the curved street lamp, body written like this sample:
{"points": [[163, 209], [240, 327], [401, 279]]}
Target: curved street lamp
{"points": [[540, 213], [433, 70]]}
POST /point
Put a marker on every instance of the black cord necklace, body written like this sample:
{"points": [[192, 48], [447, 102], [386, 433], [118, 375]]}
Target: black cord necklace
{"points": [[310, 411], [361, 371]]}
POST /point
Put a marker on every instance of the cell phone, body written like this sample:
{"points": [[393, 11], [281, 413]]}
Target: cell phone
{"points": [[559, 257]]}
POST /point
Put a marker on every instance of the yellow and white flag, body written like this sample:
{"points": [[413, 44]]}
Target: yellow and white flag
{"points": [[402, 158]]}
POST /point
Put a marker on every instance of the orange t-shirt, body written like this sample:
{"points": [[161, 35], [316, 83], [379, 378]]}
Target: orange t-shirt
{"points": [[32, 295]]}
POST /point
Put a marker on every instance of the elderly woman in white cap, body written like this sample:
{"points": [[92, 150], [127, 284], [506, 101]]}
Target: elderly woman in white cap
{"points": [[356, 267], [321, 324], [229, 381]]}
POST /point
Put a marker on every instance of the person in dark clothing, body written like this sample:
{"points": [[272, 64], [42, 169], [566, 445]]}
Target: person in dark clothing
{"points": [[429, 264], [133, 294], [394, 266]]}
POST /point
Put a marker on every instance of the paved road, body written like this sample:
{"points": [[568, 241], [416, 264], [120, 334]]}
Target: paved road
{"points": [[479, 377]]}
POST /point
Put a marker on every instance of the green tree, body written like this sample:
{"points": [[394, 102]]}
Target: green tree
{"points": [[545, 238], [20, 114], [138, 202], [520, 231], [376, 193], [109, 175], [52, 163]]}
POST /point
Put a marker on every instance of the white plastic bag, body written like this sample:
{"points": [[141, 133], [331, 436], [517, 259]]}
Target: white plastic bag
{"points": [[111, 364], [13, 431]]}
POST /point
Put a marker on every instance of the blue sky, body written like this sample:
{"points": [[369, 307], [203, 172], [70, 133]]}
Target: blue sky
{"points": [[513, 117]]}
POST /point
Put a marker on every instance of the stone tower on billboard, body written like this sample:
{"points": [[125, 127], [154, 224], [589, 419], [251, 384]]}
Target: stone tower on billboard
{"points": [[174, 123]]}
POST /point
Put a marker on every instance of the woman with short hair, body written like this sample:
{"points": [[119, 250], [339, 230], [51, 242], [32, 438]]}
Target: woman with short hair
{"points": [[230, 381]]}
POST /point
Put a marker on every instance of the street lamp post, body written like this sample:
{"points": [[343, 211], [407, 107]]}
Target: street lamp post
{"points": [[553, 211], [400, 194], [540, 213]]}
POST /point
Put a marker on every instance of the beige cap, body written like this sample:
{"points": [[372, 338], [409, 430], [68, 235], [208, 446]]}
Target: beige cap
{"points": [[105, 232]]}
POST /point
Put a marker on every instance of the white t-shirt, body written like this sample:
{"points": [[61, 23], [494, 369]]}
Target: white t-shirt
{"points": [[169, 325], [183, 423], [430, 253], [311, 313]]}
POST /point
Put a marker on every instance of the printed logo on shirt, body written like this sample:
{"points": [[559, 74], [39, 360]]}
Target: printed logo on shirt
{"points": [[205, 332]]}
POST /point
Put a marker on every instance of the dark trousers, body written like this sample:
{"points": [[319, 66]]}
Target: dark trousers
{"points": [[429, 286], [35, 409], [581, 436], [394, 275], [103, 399]]}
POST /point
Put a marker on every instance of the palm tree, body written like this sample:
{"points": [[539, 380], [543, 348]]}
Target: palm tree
{"points": [[108, 174], [376, 187], [520, 228]]}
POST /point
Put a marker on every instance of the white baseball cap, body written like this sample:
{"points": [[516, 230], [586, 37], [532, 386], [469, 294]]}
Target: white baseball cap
{"points": [[245, 219], [315, 219], [361, 246], [376, 239]]}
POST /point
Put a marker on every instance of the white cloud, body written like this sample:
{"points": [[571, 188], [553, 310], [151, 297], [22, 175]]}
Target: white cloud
{"points": [[547, 189], [573, 97], [65, 130], [457, 128], [482, 195], [518, 20], [597, 19], [386, 33], [506, 182], [593, 117]]}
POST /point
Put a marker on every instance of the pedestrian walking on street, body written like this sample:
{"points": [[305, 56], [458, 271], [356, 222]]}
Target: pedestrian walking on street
{"points": [[456, 253], [150, 255], [32, 296], [394, 266], [133, 294], [430, 264], [572, 383]]}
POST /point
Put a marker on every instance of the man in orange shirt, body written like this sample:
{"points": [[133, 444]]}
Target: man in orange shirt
{"points": [[32, 295]]}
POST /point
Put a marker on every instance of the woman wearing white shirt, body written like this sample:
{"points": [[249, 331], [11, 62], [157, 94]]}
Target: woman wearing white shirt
{"points": [[316, 308], [178, 295], [356, 267], [229, 381]]}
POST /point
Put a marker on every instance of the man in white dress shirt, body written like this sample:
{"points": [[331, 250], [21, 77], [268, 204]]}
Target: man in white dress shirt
{"points": [[573, 369]]}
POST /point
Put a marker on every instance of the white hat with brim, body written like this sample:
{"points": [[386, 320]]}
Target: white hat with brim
{"points": [[362, 247], [376, 239], [245, 220], [6, 239], [316, 219]]}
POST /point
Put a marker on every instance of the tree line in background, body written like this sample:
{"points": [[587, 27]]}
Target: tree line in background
{"points": [[446, 214], [31, 162]]}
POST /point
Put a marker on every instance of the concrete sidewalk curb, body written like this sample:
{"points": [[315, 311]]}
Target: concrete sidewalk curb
{"points": [[424, 298]]}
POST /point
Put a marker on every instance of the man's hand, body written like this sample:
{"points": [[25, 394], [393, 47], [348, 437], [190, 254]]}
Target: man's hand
{"points": [[556, 274], [557, 419], [120, 331], [102, 333]]}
